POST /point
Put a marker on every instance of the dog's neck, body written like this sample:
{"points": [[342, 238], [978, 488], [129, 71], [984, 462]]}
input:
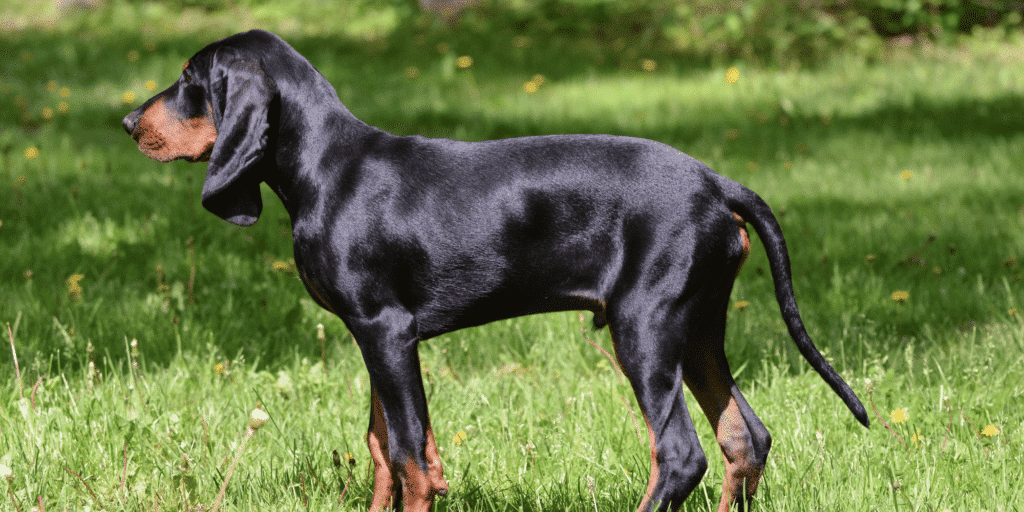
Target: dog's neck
{"points": [[348, 139]]}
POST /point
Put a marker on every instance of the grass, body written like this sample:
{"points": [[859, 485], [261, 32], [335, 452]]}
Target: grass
{"points": [[890, 174]]}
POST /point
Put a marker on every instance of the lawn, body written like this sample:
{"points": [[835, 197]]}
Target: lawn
{"points": [[147, 329]]}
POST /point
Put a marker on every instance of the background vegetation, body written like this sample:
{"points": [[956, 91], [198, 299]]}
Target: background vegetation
{"points": [[886, 135]]}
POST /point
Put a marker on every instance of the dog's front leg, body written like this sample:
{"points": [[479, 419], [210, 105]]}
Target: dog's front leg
{"points": [[407, 468], [385, 492]]}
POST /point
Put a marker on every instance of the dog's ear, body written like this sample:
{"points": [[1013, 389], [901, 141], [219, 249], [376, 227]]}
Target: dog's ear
{"points": [[240, 94]]}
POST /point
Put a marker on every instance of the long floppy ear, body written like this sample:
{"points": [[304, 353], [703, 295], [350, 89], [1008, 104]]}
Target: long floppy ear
{"points": [[240, 94]]}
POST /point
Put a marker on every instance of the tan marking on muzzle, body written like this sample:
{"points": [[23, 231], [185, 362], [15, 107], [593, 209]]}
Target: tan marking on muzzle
{"points": [[164, 136]]}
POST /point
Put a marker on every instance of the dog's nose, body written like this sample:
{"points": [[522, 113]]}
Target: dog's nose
{"points": [[129, 122]]}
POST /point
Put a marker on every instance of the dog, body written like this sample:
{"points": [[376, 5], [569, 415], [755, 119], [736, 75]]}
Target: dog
{"points": [[407, 238]]}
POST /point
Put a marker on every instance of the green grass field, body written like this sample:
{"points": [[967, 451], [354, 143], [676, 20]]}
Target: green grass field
{"points": [[896, 179]]}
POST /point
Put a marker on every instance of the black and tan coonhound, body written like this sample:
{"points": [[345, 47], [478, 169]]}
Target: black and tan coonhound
{"points": [[406, 238]]}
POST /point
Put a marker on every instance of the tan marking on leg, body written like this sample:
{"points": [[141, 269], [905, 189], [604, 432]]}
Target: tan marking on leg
{"points": [[377, 440], [746, 241], [655, 471], [163, 135], [742, 472], [420, 487]]}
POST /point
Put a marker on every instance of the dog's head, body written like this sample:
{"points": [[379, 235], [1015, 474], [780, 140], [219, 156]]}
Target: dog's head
{"points": [[217, 112]]}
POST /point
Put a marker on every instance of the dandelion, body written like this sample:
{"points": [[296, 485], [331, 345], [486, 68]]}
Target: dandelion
{"points": [[74, 287], [150, 85], [128, 98], [732, 133], [531, 87], [732, 75], [31, 153], [648, 65], [900, 296], [63, 107], [132, 56], [47, 113], [64, 92], [412, 72], [257, 418], [52, 86], [990, 431], [218, 368], [899, 415], [457, 439], [464, 62], [284, 266], [741, 305], [906, 175]]}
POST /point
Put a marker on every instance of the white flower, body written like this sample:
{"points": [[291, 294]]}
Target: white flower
{"points": [[257, 418]]}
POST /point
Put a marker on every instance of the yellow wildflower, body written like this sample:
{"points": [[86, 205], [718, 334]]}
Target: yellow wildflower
{"points": [[74, 288], [464, 62], [31, 152], [648, 65], [900, 415], [459, 438], [990, 431], [741, 305], [284, 266], [916, 438], [900, 296], [732, 75]]}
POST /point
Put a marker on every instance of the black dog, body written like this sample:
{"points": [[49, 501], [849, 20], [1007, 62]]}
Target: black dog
{"points": [[406, 238]]}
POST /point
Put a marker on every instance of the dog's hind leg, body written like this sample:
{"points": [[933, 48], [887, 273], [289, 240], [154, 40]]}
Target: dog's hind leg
{"points": [[741, 435]]}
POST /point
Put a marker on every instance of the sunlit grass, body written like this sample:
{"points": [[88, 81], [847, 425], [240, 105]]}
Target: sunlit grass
{"points": [[896, 182]]}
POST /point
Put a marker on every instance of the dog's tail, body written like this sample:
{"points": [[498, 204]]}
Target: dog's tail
{"points": [[754, 210]]}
